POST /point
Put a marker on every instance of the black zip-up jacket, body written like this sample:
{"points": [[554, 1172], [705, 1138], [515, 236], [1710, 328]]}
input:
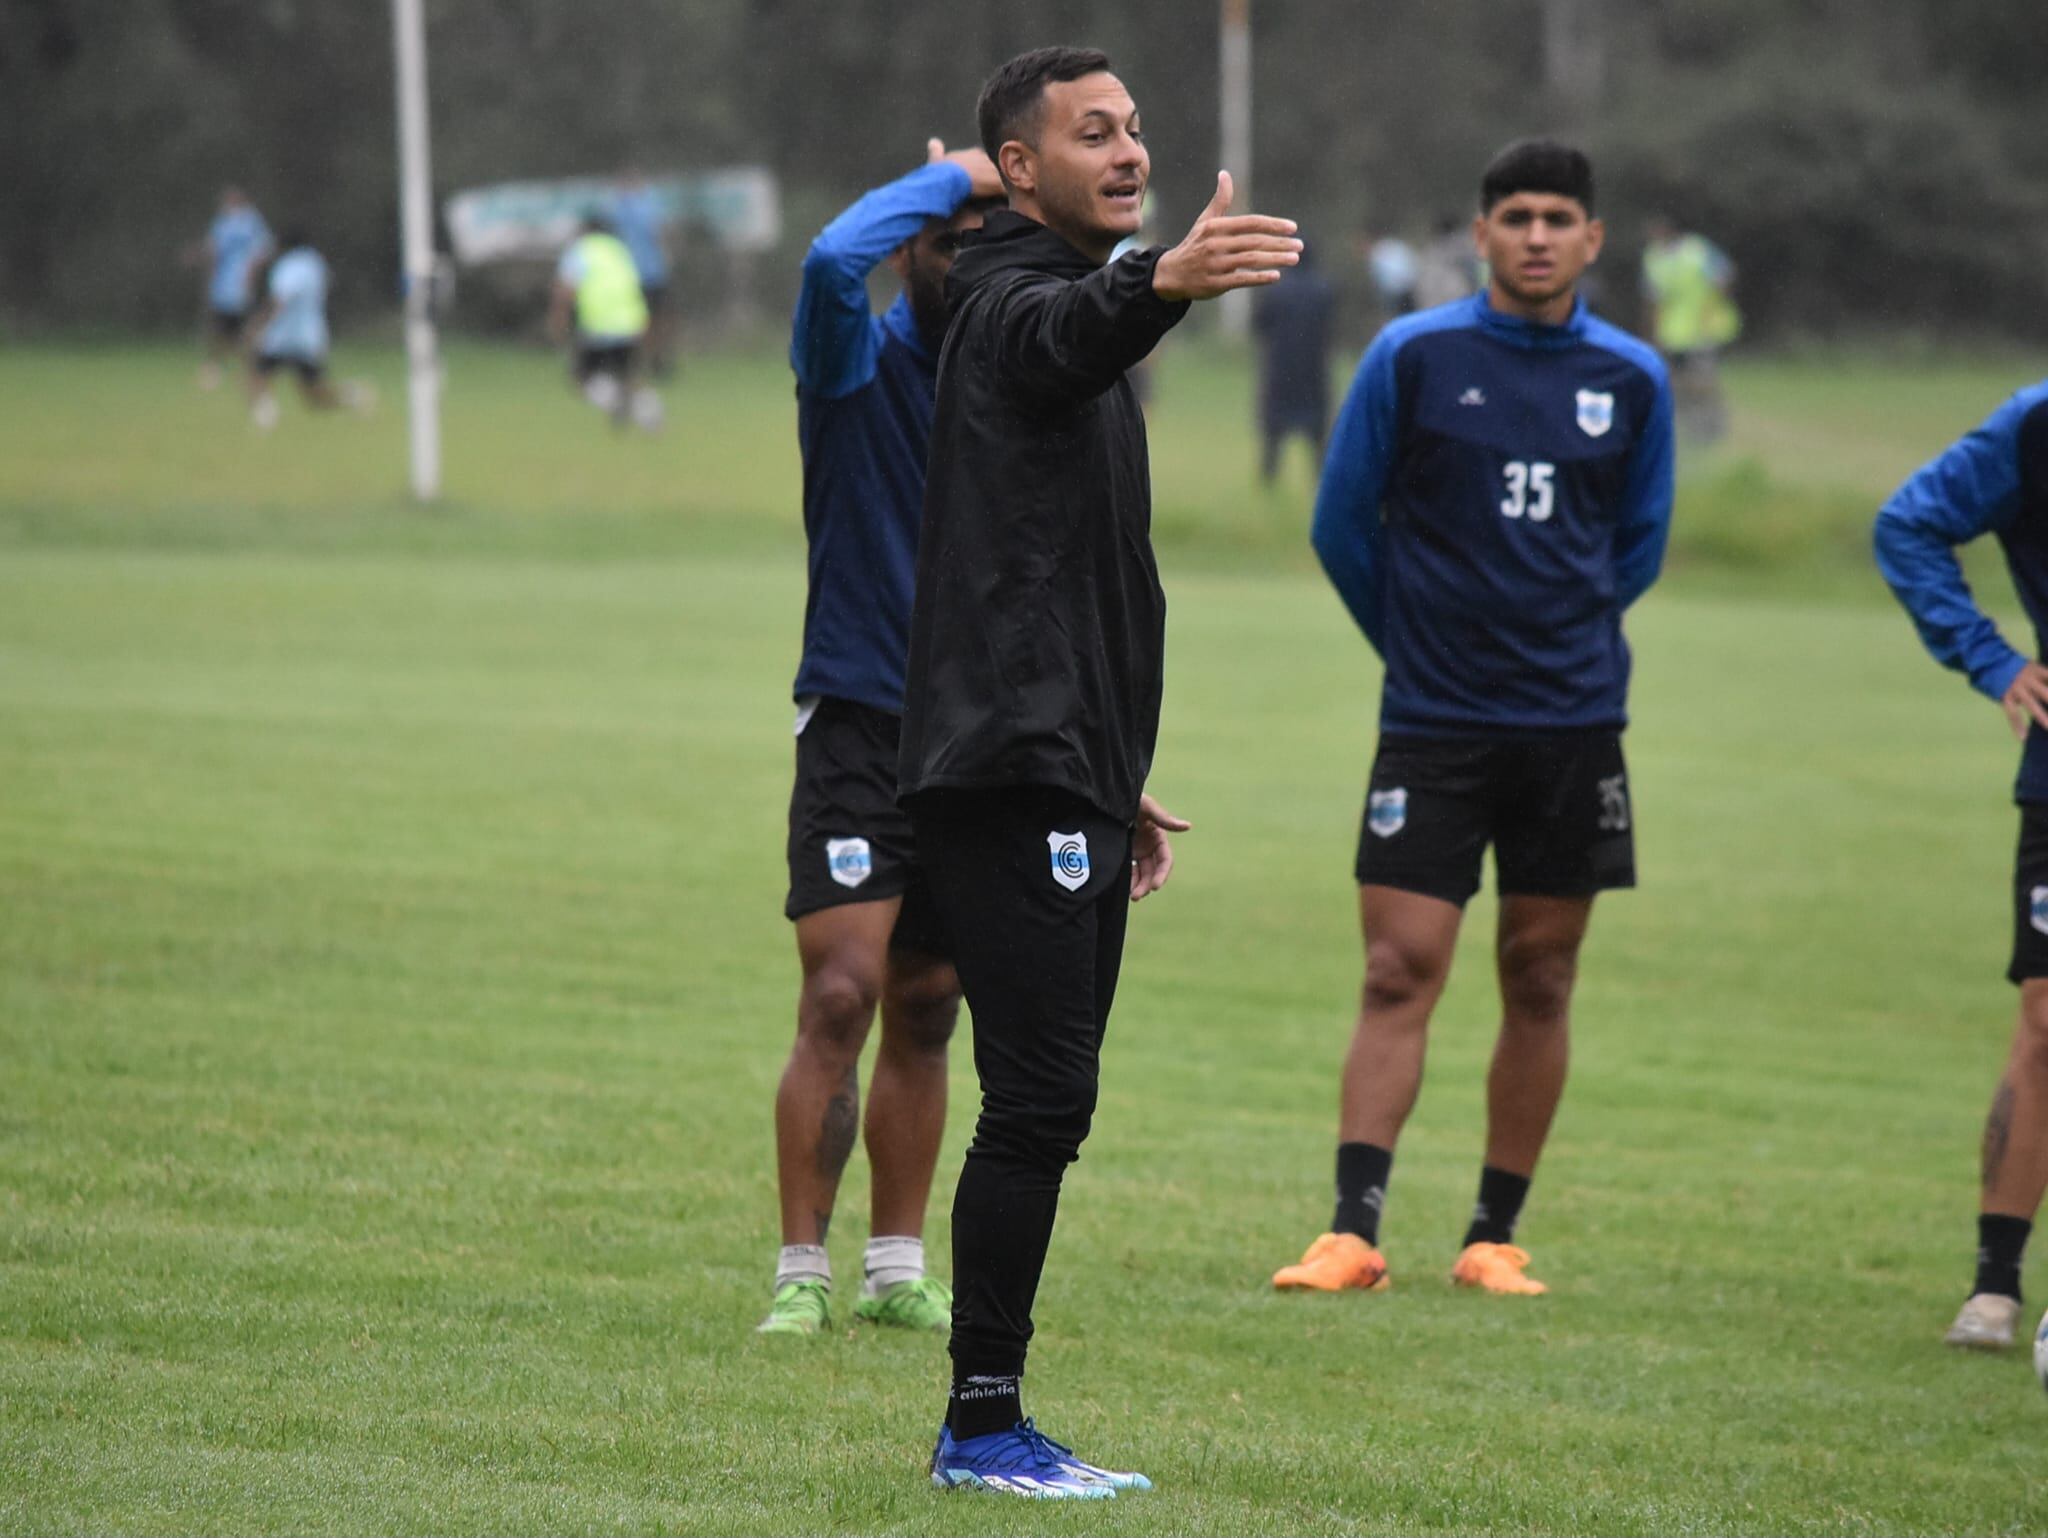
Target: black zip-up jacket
{"points": [[1038, 630]]}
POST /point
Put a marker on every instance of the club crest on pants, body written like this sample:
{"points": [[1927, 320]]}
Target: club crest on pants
{"points": [[2037, 908], [1386, 811], [849, 860], [1069, 859]]}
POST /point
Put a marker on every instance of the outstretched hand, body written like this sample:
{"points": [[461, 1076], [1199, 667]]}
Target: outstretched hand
{"points": [[1225, 251], [982, 178], [1151, 854], [2026, 699]]}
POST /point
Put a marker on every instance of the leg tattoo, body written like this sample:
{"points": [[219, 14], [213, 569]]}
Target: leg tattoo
{"points": [[841, 1126], [1997, 1131]]}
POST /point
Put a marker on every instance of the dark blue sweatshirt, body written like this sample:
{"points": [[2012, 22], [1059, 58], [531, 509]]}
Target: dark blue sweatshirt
{"points": [[1495, 495], [864, 423], [1994, 481]]}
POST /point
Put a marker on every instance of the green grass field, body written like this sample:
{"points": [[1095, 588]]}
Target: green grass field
{"points": [[393, 986]]}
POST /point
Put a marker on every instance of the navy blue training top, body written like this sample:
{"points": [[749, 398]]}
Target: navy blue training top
{"points": [[1496, 493], [864, 423], [1993, 481]]}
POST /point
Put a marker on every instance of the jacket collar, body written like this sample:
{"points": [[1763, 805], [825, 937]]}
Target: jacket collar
{"points": [[1528, 333], [1008, 241]]}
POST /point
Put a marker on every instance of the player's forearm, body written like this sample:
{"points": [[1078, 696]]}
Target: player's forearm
{"points": [[1071, 341], [878, 222], [1923, 573], [1349, 552]]}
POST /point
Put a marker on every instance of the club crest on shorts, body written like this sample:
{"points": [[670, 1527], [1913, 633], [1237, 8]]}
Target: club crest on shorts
{"points": [[849, 860], [1386, 811], [1596, 412], [2037, 908], [1069, 859]]}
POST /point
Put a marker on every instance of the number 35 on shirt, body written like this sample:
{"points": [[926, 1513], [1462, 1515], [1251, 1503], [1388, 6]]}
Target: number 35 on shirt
{"points": [[1531, 489]]}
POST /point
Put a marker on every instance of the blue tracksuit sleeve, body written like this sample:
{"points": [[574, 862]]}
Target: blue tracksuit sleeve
{"points": [[1972, 489], [833, 343], [1645, 523], [1347, 527]]}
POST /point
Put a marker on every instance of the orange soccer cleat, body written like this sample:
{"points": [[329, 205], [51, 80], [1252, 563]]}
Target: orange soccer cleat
{"points": [[1333, 1263], [1497, 1268]]}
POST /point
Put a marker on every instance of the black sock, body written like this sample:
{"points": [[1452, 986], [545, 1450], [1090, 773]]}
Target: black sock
{"points": [[1500, 1203], [2001, 1241], [983, 1403], [1362, 1170]]}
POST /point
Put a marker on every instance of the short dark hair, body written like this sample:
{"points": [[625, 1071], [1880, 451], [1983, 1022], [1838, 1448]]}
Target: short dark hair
{"points": [[1538, 165], [1012, 104]]}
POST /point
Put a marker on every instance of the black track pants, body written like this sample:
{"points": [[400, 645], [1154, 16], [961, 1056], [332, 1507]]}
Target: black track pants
{"points": [[1033, 889]]}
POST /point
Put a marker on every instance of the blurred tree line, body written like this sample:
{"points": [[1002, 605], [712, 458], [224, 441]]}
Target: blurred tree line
{"points": [[1869, 167]]}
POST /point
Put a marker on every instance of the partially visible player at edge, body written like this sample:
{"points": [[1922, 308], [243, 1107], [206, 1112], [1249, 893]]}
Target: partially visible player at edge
{"points": [[1031, 708], [865, 933], [1498, 492], [1995, 481]]}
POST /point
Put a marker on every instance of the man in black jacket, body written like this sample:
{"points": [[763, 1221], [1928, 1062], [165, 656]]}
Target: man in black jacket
{"points": [[1033, 697]]}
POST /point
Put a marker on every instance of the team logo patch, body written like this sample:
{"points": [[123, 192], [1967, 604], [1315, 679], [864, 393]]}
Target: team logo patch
{"points": [[1386, 811], [2037, 908], [1596, 412], [1069, 859], [849, 860]]}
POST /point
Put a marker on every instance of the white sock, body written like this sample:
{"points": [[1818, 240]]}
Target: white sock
{"points": [[802, 1263], [893, 1258]]}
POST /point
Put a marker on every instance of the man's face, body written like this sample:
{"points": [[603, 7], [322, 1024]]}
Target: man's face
{"points": [[1537, 244], [923, 262], [1088, 169]]}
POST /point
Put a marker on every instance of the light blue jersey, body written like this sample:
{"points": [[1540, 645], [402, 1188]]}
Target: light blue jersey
{"points": [[239, 238], [639, 216], [298, 286]]}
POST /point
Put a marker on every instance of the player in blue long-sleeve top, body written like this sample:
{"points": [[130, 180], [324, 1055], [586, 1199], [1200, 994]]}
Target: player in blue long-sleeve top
{"points": [[1497, 493], [866, 934], [1995, 481]]}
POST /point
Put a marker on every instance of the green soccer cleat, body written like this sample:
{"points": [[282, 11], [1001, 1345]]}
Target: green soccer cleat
{"points": [[800, 1308], [925, 1304]]}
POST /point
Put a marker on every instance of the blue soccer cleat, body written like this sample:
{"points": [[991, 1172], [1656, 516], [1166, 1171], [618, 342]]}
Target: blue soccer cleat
{"points": [[1025, 1461]]}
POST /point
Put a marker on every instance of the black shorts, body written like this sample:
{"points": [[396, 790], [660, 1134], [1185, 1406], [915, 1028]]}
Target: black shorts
{"points": [[1555, 807], [615, 358], [309, 369], [2030, 897], [227, 323], [849, 842]]}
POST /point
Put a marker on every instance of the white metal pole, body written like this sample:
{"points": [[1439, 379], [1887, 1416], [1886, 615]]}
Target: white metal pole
{"points": [[416, 221], [1234, 114]]}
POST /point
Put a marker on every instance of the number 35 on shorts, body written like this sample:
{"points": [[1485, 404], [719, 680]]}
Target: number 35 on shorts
{"points": [[1531, 490]]}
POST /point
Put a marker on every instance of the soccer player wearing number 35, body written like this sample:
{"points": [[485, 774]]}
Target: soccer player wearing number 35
{"points": [[1497, 493]]}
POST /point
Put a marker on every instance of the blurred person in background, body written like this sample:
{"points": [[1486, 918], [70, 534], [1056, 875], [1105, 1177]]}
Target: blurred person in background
{"points": [[866, 933], [1688, 285], [1293, 322], [597, 307], [1447, 269], [1394, 268], [1995, 481], [640, 216], [232, 252], [290, 331]]}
